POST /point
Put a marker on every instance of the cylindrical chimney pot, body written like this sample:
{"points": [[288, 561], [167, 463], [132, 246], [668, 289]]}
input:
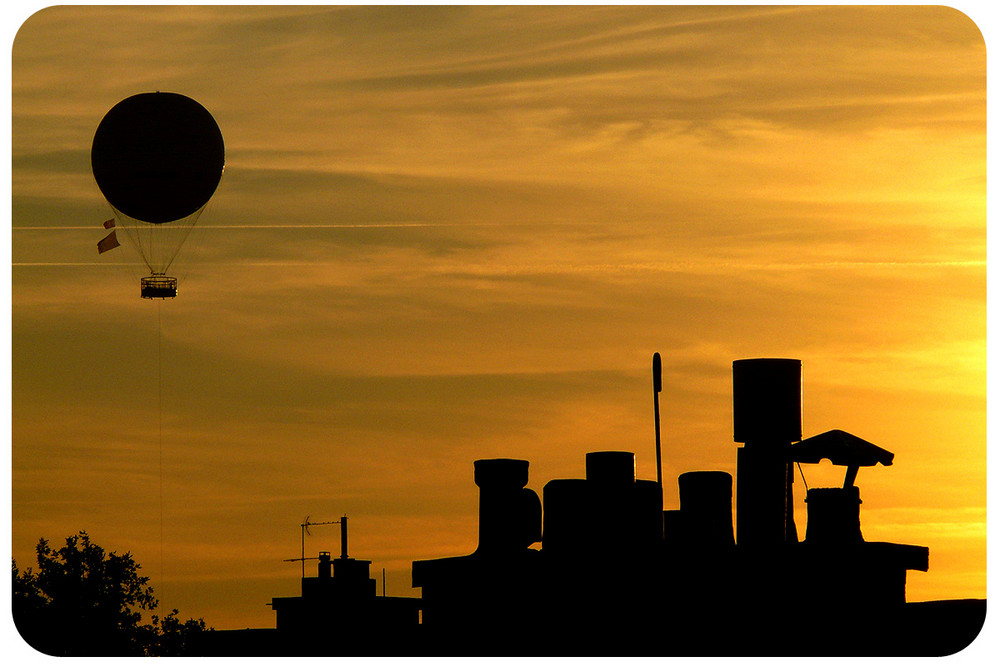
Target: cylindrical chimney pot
{"points": [[707, 507], [611, 468], [767, 400], [510, 516], [324, 565], [834, 515], [501, 472]]}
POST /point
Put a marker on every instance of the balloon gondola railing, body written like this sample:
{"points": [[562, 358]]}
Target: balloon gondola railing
{"points": [[158, 287]]}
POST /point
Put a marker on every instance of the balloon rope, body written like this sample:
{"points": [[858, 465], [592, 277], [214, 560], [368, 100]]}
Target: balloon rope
{"points": [[159, 409], [184, 231]]}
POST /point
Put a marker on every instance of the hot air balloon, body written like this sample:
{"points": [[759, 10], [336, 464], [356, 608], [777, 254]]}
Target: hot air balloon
{"points": [[157, 159]]}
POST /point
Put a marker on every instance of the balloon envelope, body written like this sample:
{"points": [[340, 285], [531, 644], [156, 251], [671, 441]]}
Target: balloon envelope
{"points": [[158, 157]]}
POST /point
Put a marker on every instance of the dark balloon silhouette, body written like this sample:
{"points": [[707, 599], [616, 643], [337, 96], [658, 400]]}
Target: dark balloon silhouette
{"points": [[158, 157]]}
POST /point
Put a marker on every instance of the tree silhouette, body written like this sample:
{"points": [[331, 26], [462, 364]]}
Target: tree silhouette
{"points": [[174, 637], [85, 602]]}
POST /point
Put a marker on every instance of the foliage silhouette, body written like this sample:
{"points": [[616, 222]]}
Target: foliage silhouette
{"points": [[83, 601], [174, 637]]}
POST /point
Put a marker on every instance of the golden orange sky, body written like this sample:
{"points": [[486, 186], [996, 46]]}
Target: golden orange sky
{"points": [[451, 233]]}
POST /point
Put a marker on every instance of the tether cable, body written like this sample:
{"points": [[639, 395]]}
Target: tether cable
{"points": [[159, 410]]}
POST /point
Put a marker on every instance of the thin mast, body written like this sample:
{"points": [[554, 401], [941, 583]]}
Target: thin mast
{"points": [[657, 387]]}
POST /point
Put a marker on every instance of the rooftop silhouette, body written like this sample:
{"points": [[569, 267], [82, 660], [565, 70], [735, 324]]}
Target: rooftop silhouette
{"points": [[617, 574]]}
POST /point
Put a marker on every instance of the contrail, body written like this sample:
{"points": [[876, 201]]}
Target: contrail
{"points": [[666, 267], [349, 225], [76, 264]]}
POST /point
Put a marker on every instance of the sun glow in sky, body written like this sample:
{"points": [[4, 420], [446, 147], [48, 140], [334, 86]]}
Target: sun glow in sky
{"points": [[452, 233]]}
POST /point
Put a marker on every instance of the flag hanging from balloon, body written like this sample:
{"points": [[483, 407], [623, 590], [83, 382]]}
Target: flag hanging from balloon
{"points": [[109, 242]]}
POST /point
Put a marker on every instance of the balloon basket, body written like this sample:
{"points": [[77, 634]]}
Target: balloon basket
{"points": [[158, 287]]}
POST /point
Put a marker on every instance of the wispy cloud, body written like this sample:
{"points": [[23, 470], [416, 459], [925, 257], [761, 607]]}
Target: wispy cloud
{"points": [[447, 233]]}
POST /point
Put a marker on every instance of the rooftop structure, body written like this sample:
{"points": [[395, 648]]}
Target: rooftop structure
{"points": [[617, 574]]}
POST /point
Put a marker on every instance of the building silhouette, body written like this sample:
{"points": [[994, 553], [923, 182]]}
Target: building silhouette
{"points": [[617, 574], [342, 597]]}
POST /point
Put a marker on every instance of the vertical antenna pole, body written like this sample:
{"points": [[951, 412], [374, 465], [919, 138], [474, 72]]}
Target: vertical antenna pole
{"points": [[305, 523], [657, 387], [343, 536]]}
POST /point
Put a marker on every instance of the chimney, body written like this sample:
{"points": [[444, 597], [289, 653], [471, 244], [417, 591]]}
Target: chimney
{"points": [[343, 536], [706, 508], [767, 400], [510, 516], [767, 417], [324, 565], [834, 516], [611, 468]]}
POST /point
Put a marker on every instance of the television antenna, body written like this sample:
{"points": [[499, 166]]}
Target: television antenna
{"points": [[305, 531]]}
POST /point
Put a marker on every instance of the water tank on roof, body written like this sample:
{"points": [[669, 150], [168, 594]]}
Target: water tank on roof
{"points": [[767, 400]]}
